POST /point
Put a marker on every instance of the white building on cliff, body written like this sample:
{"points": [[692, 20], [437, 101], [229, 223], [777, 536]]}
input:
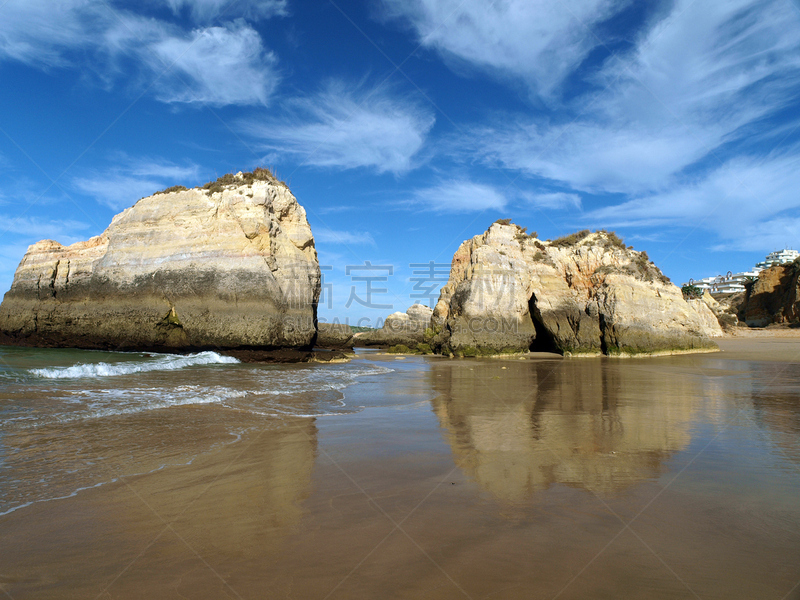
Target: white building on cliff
{"points": [[779, 256], [732, 283]]}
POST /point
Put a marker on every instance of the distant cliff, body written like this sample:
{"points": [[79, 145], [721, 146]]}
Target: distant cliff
{"points": [[586, 293], [773, 298], [231, 265], [400, 329]]}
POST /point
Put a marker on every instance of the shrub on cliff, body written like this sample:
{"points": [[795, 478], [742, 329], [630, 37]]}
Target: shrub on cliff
{"points": [[169, 190], [612, 239], [570, 240], [522, 234], [257, 174], [691, 292]]}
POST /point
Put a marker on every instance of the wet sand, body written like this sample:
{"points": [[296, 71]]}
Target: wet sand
{"points": [[669, 477]]}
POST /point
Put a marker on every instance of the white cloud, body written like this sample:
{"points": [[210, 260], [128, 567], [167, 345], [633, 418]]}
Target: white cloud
{"points": [[332, 236], [215, 65], [593, 157], [221, 65], [773, 234], [704, 76], [36, 228], [116, 190], [206, 10], [346, 128], [554, 200], [747, 202], [324, 210], [682, 131], [459, 196], [122, 185], [538, 41], [163, 170], [38, 32], [681, 128]]}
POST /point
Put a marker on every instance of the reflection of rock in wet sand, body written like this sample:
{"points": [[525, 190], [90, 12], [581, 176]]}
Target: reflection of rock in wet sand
{"points": [[518, 427], [257, 497], [775, 396], [182, 531]]}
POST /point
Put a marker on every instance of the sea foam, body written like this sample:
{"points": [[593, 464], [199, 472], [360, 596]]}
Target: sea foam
{"points": [[163, 362]]}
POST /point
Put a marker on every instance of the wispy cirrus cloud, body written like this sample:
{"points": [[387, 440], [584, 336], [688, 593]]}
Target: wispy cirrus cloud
{"points": [[206, 10], [217, 65], [35, 228], [326, 235], [553, 200], [324, 210], [732, 200], [220, 65], [682, 128], [348, 127], [539, 42], [685, 93], [41, 32], [771, 234], [458, 195], [123, 184]]}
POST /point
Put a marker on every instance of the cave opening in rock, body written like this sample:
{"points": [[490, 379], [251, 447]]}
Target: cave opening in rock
{"points": [[545, 341]]}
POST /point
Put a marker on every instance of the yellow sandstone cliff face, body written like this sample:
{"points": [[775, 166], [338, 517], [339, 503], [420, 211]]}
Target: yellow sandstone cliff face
{"points": [[774, 297], [182, 270], [588, 295]]}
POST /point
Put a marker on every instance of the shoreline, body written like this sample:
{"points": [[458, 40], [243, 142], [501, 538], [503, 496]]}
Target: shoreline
{"points": [[769, 331], [483, 462]]}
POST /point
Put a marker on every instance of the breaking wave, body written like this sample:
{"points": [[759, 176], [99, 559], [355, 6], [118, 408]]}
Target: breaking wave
{"points": [[163, 362]]}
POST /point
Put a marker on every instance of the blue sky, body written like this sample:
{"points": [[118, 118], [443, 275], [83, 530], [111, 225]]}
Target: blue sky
{"points": [[407, 126]]}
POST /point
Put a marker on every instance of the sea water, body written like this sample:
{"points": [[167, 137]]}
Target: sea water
{"points": [[402, 477], [76, 419]]}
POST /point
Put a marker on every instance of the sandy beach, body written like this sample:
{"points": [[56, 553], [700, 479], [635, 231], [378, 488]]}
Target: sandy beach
{"points": [[669, 477]]}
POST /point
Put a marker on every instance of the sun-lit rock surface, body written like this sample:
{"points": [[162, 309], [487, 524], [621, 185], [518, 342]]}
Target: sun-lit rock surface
{"points": [[232, 266], [773, 298], [584, 294]]}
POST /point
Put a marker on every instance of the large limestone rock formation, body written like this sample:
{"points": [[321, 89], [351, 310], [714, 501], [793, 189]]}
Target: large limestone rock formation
{"points": [[584, 294], [773, 298], [233, 266], [399, 329]]}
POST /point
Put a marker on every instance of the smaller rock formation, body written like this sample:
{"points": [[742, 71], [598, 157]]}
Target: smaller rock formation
{"points": [[400, 329], [774, 298], [713, 311], [586, 293], [334, 336], [725, 309]]}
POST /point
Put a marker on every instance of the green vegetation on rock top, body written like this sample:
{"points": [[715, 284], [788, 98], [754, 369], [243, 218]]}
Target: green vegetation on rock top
{"points": [[257, 174]]}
